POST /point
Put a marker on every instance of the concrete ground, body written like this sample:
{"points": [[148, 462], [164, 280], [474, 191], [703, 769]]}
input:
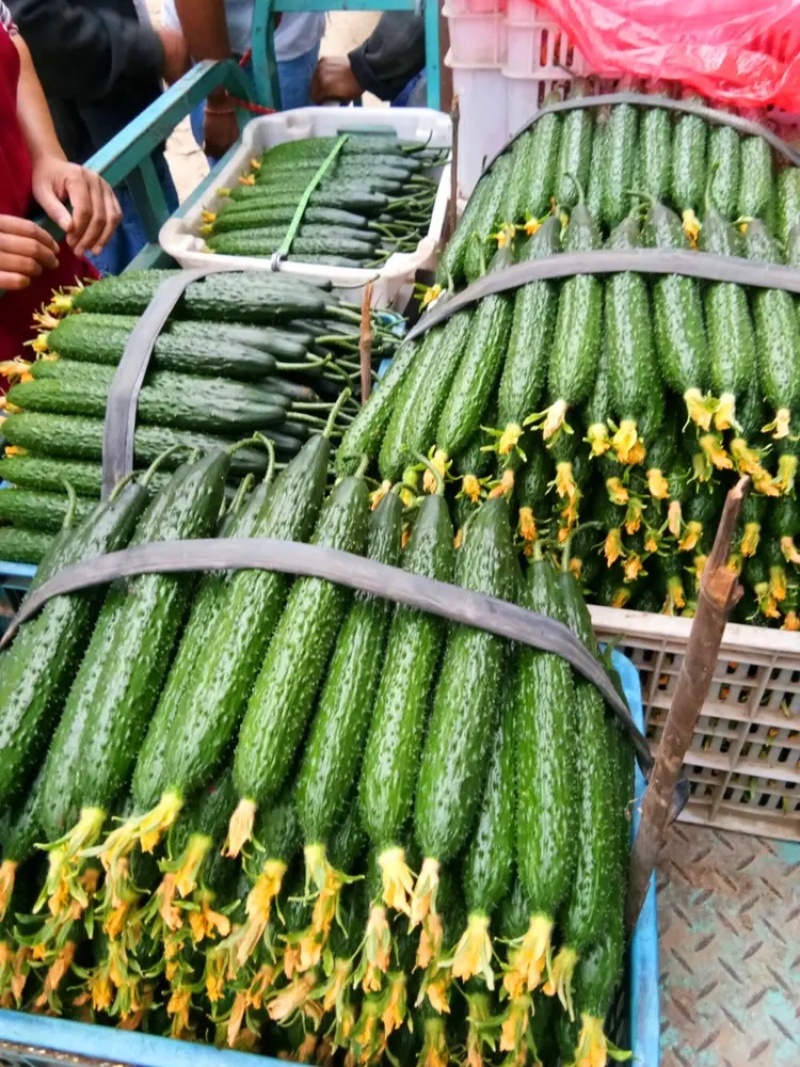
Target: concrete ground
{"points": [[345, 30]]}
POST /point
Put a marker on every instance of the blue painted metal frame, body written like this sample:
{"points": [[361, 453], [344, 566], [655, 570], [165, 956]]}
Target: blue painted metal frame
{"points": [[142, 1050], [265, 71]]}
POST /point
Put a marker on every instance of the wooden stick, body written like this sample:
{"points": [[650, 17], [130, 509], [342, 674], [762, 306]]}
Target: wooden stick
{"points": [[452, 216], [365, 344], [719, 592]]}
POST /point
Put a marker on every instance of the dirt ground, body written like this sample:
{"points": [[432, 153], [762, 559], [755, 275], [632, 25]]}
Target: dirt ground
{"points": [[345, 30]]}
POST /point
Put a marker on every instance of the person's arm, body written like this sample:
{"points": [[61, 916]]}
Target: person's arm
{"points": [[383, 65], [206, 32], [95, 211], [82, 52]]}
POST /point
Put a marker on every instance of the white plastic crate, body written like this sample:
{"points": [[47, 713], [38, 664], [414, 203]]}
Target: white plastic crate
{"points": [[476, 7], [540, 48], [744, 761], [483, 124], [525, 96], [393, 283], [476, 40]]}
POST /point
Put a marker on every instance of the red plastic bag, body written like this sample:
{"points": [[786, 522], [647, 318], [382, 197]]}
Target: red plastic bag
{"points": [[741, 52]]}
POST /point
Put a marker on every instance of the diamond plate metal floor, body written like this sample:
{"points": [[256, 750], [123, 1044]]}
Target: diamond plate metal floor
{"points": [[729, 925]]}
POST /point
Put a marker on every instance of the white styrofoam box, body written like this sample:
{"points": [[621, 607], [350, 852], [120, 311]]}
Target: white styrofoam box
{"points": [[524, 97], [476, 40], [393, 284], [482, 128], [542, 49], [477, 7]]}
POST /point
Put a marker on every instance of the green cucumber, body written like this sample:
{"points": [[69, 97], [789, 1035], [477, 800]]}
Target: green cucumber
{"points": [[777, 337], [655, 152], [49, 475], [332, 756], [632, 374], [478, 253], [757, 184], [545, 736], [413, 425], [478, 370], [725, 156], [21, 545], [689, 163], [450, 272], [620, 160], [678, 326], [788, 202], [597, 977], [575, 149], [267, 242], [522, 380], [576, 340], [534, 185], [178, 401], [39, 511], [38, 668], [364, 434], [597, 172], [465, 706], [115, 690], [391, 758], [759, 244], [292, 670], [264, 215], [71, 437], [365, 203], [489, 862]]}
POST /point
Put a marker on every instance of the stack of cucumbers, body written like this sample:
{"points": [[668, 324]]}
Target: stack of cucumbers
{"points": [[619, 408], [273, 814], [242, 353], [373, 198]]}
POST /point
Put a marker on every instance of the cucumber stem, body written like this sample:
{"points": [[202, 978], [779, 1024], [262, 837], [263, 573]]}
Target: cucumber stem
{"points": [[575, 181], [72, 503], [244, 487], [337, 407], [159, 460], [270, 447]]}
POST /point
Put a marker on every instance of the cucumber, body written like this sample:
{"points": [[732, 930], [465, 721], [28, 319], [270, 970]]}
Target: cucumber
{"points": [[413, 425], [265, 216], [38, 668], [535, 183], [21, 545], [71, 437], [689, 163], [112, 697], [267, 242], [282, 698], [365, 203], [522, 380], [576, 341], [489, 862], [678, 327], [39, 511], [19, 832], [252, 298], [594, 189], [788, 202], [725, 157], [389, 771], [632, 374], [478, 253], [465, 708], [757, 184], [514, 206], [478, 370], [48, 475], [621, 136], [575, 149], [450, 272], [545, 731], [176, 401], [332, 757], [187, 348], [595, 882], [655, 153], [760, 245], [777, 338], [364, 434], [596, 980]]}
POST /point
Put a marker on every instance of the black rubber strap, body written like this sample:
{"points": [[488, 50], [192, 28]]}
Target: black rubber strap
{"points": [[716, 118], [701, 265], [123, 396]]}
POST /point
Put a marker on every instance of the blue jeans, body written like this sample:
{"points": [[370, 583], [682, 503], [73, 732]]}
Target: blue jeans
{"points": [[130, 237], [294, 79], [415, 93]]}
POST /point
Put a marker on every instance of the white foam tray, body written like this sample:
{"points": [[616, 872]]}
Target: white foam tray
{"points": [[393, 283]]}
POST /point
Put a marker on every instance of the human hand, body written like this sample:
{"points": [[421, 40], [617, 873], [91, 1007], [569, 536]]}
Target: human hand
{"points": [[220, 128], [25, 251], [176, 55], [334, 80], [95, 211]]}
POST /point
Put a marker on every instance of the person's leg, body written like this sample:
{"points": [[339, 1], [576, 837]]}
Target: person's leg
{"points": [[294, 77], [413, 93]]}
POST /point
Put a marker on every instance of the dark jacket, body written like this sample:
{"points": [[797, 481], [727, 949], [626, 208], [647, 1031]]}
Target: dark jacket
{"points": [[387, 61], [99, 66]]}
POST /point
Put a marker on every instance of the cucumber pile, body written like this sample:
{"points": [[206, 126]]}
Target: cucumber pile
{"points": [[374, 199], [273, 814], [241, 354]]}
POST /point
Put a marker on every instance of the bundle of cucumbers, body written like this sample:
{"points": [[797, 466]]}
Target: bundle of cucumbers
{"points": [[374, 198], [621, 407], [242, 353], [613, 149], [273, 814]]}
